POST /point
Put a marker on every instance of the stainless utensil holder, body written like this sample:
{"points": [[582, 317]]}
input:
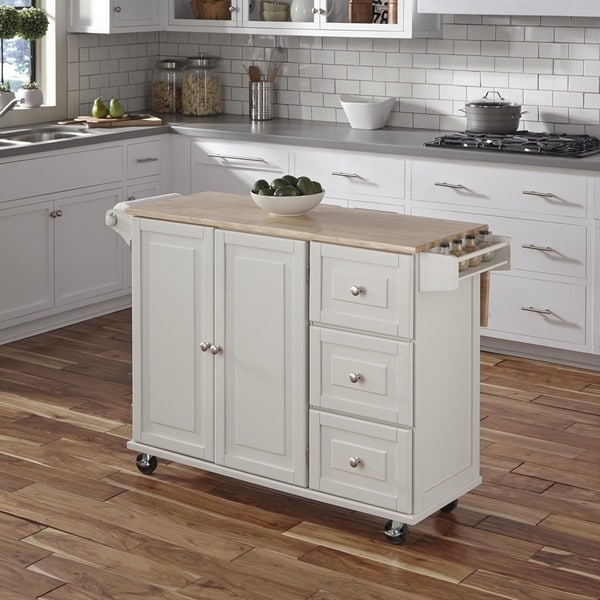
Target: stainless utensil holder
{"points": [[261, 100]]}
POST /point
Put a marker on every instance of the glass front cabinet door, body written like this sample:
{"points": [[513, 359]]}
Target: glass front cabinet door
{"points": [[354, 18]]}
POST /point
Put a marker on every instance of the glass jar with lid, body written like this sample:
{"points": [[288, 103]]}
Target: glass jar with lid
{"points": [[166, 86], [201, 87]]}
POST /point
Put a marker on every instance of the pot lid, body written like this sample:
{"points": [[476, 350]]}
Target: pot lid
{"points": [[492, 99]]}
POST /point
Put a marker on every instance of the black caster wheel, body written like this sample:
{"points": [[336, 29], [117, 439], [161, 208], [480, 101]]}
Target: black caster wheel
{"points": [[146, 463], [395, 532], [449, 507]]}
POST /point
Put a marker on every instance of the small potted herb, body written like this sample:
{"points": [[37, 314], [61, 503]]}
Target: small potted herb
{"points": [[30, 95]]}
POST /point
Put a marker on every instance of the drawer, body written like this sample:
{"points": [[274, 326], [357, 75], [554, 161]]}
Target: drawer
{"points": [[238, 155], [553, 313], [143, 159], [354, 175], [361, 375], [536, 246], [514, 189], [360, 289], [362, 461]]}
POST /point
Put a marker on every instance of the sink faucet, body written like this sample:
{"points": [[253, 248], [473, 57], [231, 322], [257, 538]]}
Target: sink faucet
{"points": [[10, 105]]}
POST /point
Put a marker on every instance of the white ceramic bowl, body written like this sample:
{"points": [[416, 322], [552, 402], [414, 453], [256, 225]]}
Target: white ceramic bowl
{"points": [[367, 113], [287, 206]]}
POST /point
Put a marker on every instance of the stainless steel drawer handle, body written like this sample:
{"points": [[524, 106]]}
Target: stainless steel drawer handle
{"points": [[56, 213], [540, 194], [141, 161], [354, 461], [454, 186], [535, 247], [231, 157], [354, 377], [356, 290], [541, 311], [342, 174]]}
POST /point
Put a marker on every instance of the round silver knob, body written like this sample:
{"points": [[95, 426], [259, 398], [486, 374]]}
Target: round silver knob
{"points": [[204, 346], [315, 11], [117, 9], [354, 377], [110, 219], [56, 213], [215, 349], [355, 290], [354, 461]]}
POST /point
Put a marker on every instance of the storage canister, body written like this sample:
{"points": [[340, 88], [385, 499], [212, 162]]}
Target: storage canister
{"points": [[166, 86], [201, 87], [360, 11]]}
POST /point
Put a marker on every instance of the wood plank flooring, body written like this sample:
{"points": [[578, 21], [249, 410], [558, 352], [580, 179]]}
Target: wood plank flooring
{"points": [[79, 522]]}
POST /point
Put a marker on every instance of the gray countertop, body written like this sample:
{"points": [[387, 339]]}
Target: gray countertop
{"points": [[296, 132]]}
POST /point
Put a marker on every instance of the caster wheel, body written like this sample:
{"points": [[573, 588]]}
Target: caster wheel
{"points": [[395, 532], [449, 507], [146, 463]]}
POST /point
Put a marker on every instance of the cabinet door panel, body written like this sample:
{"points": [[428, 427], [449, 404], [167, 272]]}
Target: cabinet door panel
{"points": [[89, 256], [173, 313], [261, 323], [27, 265]]}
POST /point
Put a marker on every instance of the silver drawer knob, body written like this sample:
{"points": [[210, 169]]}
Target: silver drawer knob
{"points": [[354, 461], [354, 377], [356, 290], [215, 349], [204, 346]]}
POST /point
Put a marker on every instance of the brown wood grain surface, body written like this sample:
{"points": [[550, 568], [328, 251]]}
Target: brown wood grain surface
{"points": [[79, 522]]}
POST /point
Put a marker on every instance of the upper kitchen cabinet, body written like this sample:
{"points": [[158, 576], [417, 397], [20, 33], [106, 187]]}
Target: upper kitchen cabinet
{"points": [[327, 18], [543, 8], [114, 16]]}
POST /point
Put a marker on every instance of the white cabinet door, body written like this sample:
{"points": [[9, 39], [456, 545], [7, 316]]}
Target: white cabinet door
{"points": [[172, 314], [89, 256], [260, 322], [108, 16], [27, 265]]}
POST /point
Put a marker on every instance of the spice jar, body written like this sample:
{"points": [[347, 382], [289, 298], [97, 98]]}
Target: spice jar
{"points": [[444, 248], [471, 246], [200, 88], [166, 86], [456, 249], [485, 240]]}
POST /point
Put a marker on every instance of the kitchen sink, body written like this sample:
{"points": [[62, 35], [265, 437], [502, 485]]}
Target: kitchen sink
{"points": [[38, 136]]}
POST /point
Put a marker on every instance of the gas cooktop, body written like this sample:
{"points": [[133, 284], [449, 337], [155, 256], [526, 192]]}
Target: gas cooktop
{"points": [[575, 146]]}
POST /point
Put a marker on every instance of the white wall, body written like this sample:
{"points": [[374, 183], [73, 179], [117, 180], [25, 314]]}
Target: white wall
{"points": [[550, 65]]}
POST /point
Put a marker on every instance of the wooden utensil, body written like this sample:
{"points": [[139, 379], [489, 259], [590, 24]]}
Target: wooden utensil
{"points": [[254, 73]]}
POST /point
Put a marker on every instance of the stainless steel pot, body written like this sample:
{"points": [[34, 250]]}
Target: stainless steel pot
{"points": [[492, 115]]}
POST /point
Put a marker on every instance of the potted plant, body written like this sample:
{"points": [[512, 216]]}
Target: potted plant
{"points": [[9, 23], [30, 95], [33, 23]]}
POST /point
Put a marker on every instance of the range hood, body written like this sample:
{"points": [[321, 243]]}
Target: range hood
{"points": [[544, 8]]}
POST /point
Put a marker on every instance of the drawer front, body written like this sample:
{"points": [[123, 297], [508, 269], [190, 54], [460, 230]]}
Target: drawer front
{"points": [[361, 375], [361, 289], [362, 461], [238, 155], [547, 192], [536, 246], [354, 174], [143, 159], [551, 312]]}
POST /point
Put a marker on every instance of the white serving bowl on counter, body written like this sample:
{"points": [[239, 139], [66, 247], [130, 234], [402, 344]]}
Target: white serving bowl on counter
{"points": [[367, 112], [287, 206]]}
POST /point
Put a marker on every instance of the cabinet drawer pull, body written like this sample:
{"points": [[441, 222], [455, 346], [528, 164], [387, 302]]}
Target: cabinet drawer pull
{"points": [[215, 349], [56, 213], [454, 186], [150, 159], [118, 9], [356, 290], [535, 247], [232, 9], [541, 311], [540, 194], [315, 11], [349, 175], [354, 461], [232, 157], [354, 377], [204, 346]]}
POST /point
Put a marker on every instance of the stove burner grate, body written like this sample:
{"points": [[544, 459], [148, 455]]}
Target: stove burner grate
{"points": [[575, 146]]}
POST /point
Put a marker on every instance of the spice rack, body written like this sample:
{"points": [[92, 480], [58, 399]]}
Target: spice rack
{"points": [[438, 272]]}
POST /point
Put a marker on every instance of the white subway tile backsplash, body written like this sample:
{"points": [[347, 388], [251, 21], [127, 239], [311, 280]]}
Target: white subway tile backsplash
{"points": [[494, 80], [538, 65], [584, 84], [569, 34], [510, 65], [568, 99], [568, 67], [495, 48], [524, 49], [467, 47]]}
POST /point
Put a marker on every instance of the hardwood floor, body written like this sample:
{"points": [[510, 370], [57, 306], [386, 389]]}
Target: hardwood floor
{"points": [[78, 522]]}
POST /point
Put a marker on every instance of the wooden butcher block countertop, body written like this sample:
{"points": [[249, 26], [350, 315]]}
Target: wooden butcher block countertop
{"points": [[361, 228]]}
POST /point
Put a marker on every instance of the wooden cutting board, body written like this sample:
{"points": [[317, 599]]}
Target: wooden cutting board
{"points": [[126, 121]]}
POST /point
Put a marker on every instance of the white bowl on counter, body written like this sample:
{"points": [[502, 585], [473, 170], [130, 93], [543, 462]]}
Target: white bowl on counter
{"points": [[287, 206], [365, 112]]}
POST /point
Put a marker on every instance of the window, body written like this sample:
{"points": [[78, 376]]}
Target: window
{"points": [[18, 56]]}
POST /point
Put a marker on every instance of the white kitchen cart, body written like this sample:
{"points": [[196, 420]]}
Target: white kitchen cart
{"points": [[333, 356]]}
